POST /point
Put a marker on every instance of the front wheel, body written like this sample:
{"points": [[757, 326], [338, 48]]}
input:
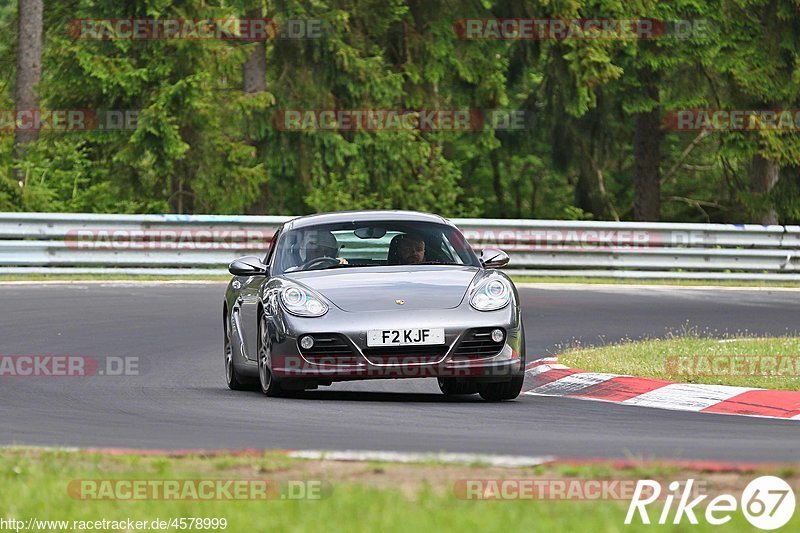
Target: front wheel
{"points": [[269, 385], [506, 390]]}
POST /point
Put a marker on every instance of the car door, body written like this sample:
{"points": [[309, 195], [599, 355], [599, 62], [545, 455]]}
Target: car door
{"points": [[250, 296]]}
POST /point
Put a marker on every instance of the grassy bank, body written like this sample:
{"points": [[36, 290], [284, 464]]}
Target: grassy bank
{"points": [[772, 363], [668, 282], [517, 279], [359, 496]]}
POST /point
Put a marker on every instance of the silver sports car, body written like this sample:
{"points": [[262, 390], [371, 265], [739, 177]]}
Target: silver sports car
{"points": [[373, 295]]}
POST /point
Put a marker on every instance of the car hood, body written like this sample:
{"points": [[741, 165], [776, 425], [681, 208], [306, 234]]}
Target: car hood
{"points": [[380, 288]]}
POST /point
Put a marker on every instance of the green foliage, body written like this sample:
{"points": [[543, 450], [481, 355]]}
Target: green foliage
{"points": [[203, 145]]}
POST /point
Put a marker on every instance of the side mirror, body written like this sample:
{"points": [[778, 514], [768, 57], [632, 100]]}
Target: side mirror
{"points": [[248, 266], [493, 258]]}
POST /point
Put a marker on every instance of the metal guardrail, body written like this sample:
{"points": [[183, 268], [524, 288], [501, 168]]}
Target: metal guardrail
{"points": [[205, 244]]}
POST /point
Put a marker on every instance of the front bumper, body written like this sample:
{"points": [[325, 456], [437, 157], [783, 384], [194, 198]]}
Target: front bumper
{"points": [[288, 361]]}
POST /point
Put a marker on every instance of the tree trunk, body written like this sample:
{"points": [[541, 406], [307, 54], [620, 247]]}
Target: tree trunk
{"points": [[497, 185], [255, 66], [254, 75], [764, 174], [29, 70], [647, 158], [588, 196]]}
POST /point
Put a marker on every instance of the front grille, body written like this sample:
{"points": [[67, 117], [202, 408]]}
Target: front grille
{"points": [[330, 348], [401, 355], [477, 343]]}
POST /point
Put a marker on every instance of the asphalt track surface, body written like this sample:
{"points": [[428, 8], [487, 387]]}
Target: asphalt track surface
{"points": [[180, 400]]}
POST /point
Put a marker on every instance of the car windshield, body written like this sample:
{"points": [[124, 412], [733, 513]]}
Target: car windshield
{"points": [[367, 244]]}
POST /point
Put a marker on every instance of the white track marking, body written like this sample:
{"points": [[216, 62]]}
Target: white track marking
{"points": [[572, 383], [686, 396], [18, 447], [622, 286], [116, 282], [507, 461], [539, 369]]}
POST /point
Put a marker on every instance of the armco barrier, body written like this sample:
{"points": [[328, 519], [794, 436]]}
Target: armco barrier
{"points": [[204, 244]]}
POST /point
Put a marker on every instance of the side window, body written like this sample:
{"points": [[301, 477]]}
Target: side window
{"points": [[459, 247], [272, 245], [456, 248], [447, 250]]}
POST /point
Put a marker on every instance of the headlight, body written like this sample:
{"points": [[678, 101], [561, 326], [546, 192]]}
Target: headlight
{"points": [[302, 302], [491, 295]]}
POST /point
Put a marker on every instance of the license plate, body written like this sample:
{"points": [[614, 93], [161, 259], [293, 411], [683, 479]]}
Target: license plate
{"points": [[405, 337]]}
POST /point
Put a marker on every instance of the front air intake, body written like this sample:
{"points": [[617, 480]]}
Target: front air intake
{"points": [[330, 348], [478, 343]]}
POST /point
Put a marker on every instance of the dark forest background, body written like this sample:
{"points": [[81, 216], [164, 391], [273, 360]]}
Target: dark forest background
{"points": [[594, 145]]}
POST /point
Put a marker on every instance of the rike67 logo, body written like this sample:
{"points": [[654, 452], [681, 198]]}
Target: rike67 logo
{"points": [[768, 502]]}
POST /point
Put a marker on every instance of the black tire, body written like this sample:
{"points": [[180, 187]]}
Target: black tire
{"points": [[269, 385], [506, 390], [232, 377], [453, 387]]}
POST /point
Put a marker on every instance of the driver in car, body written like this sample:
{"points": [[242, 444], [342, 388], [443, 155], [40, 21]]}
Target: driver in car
{"points": [[319, 244], [411, 250]]}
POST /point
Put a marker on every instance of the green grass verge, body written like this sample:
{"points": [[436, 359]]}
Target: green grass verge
{"points": [[672, 282], [517, 279], [34, 484], [110, 277], [771, 363]]}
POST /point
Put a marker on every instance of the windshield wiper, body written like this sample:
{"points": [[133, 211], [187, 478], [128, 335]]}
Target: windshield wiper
{"points": [[340, 265]]}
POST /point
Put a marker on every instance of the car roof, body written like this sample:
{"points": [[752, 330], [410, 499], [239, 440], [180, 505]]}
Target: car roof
{"points": [[364, 216]]}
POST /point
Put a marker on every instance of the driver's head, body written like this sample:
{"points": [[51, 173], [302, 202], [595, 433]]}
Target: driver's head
{"points": [[411, 249], [320, 243]]}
